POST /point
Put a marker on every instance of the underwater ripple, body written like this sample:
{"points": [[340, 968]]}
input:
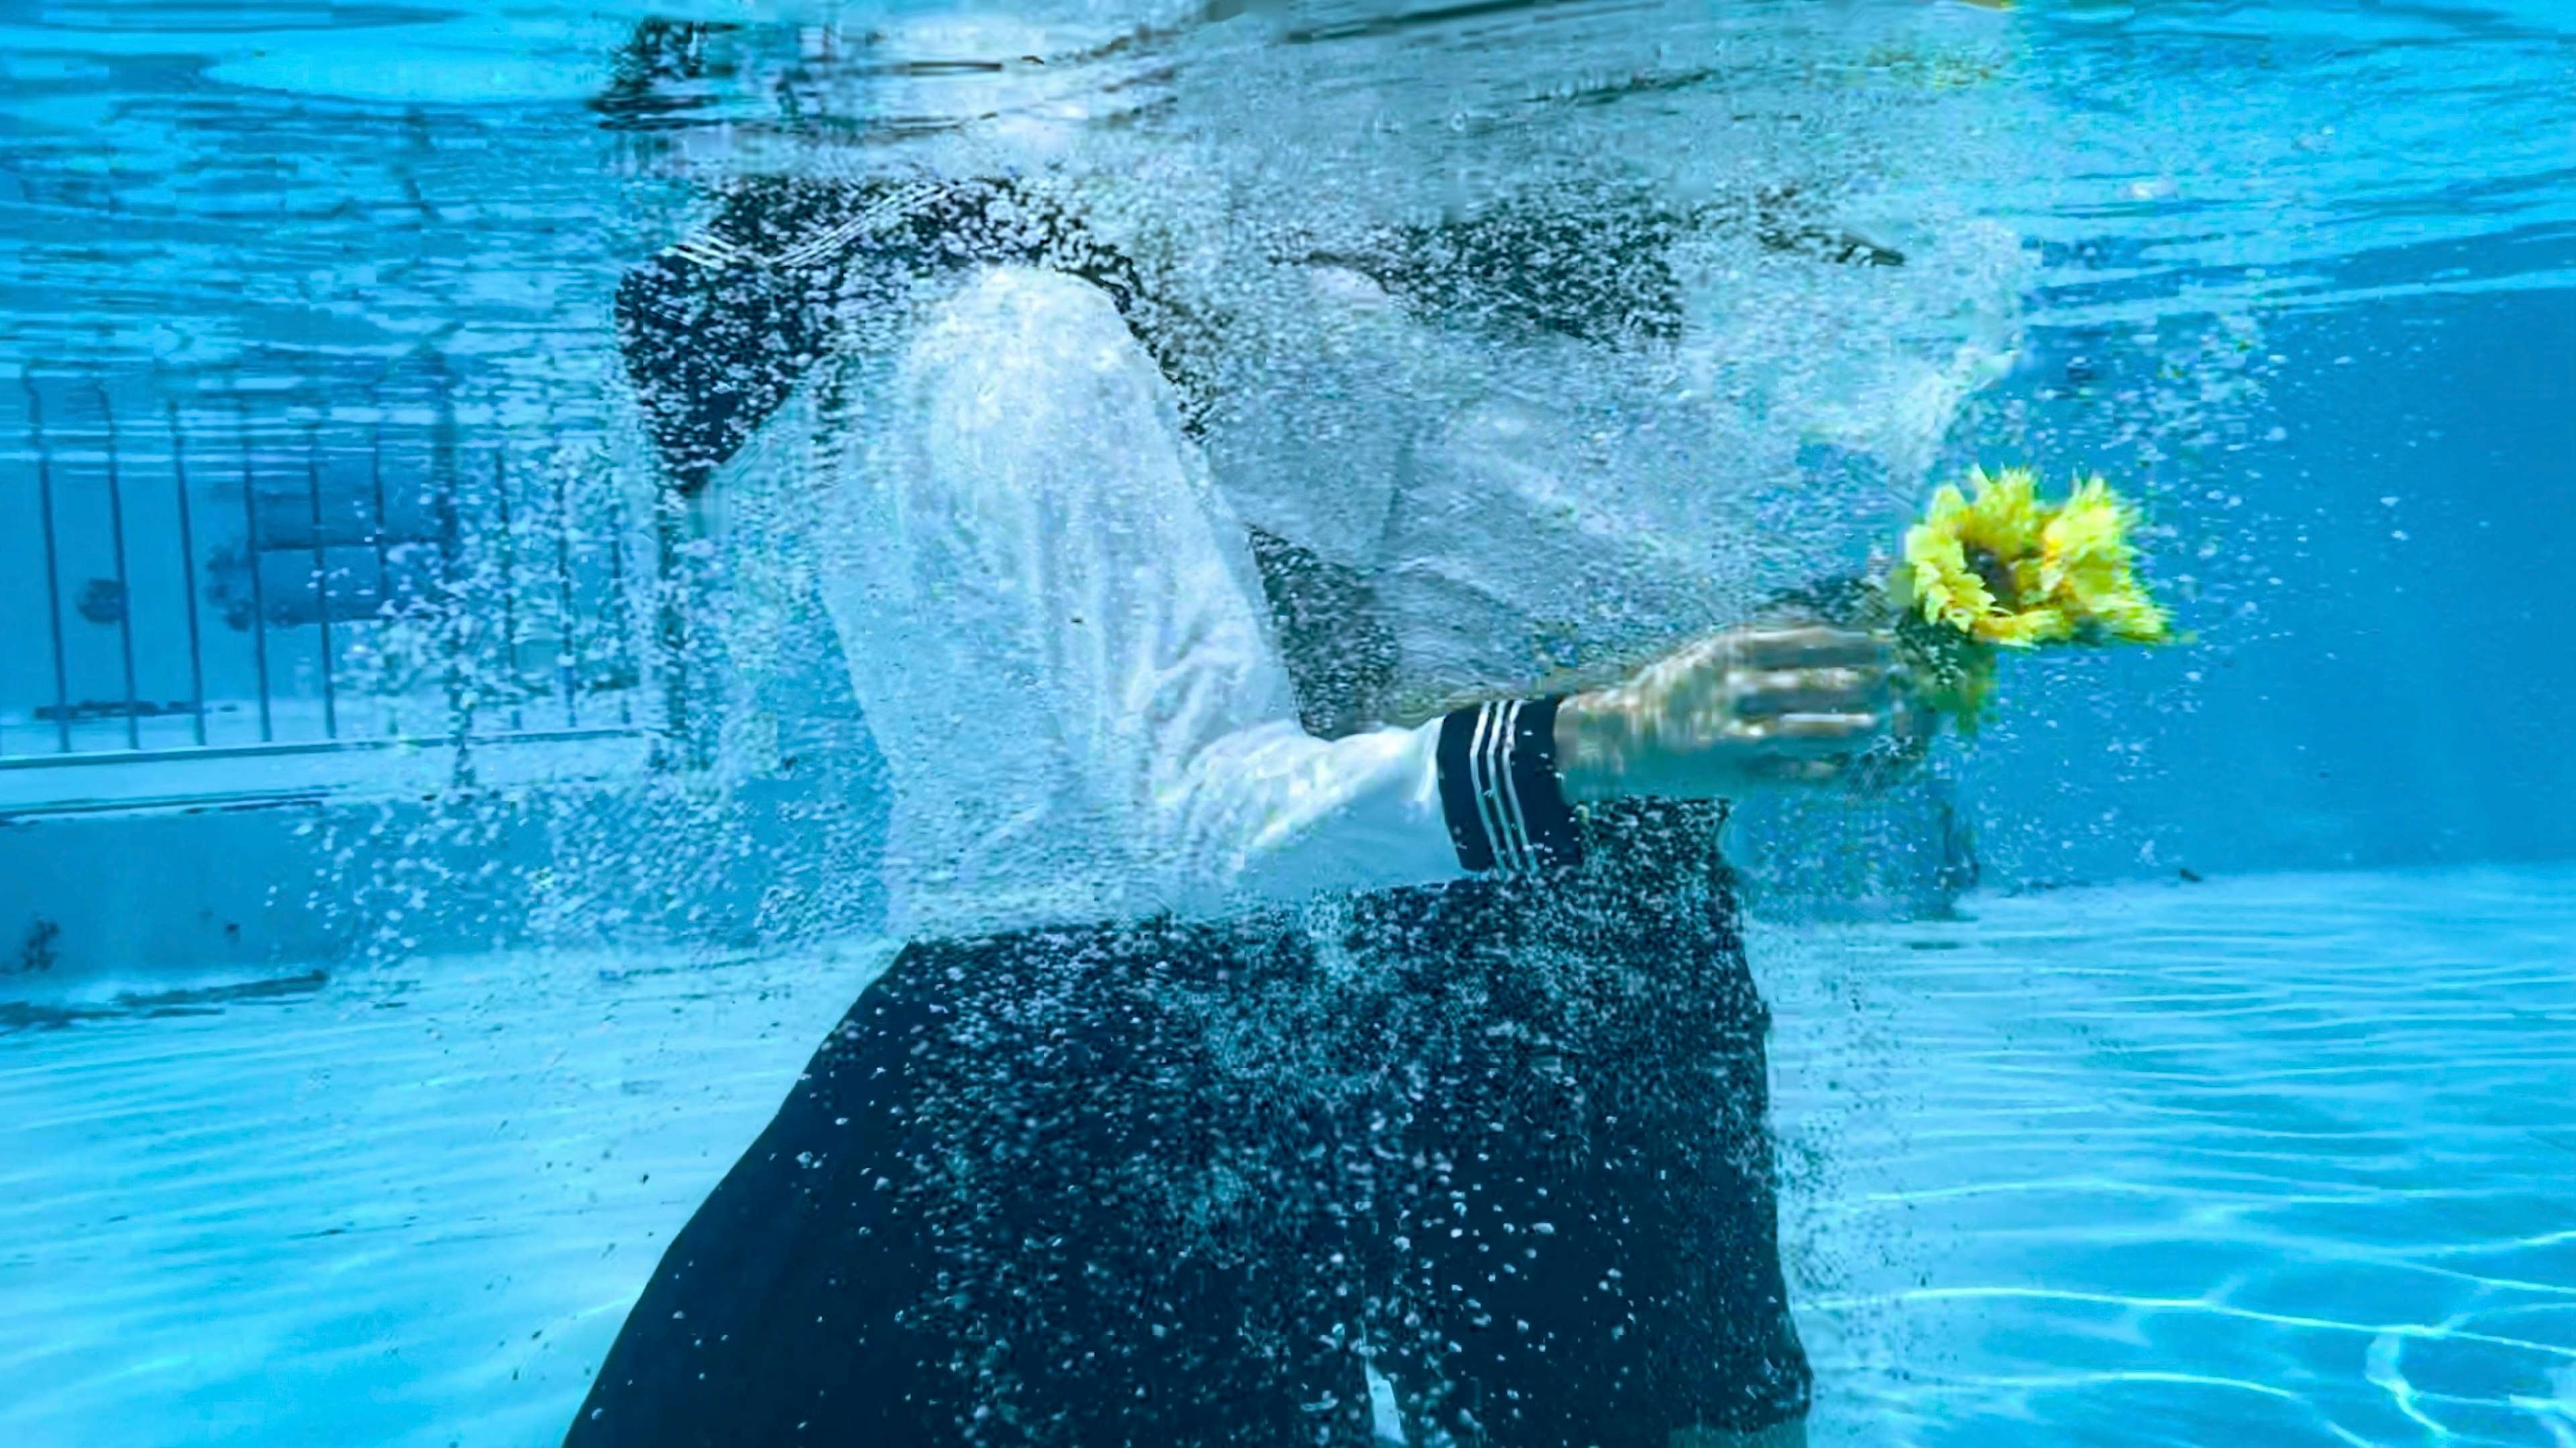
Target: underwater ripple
{"points": [[2282, 1157], [2285, 1157]]}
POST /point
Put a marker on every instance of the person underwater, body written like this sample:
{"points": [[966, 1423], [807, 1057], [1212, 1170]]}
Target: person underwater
{"points": [[1291, 1020], [1105, 1156]]}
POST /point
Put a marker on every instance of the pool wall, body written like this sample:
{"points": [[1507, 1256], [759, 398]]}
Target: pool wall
{"points": [[2367, 548]]}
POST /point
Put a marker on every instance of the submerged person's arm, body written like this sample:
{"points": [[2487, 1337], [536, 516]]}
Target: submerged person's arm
{"points": [[1053, 628]]}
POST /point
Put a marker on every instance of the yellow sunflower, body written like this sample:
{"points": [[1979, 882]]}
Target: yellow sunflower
{"points": [[1978, 564], [2086, 569], [1997, 568]]}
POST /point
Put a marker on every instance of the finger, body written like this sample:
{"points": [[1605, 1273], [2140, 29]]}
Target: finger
{"points": [[1848, 725], [1809, 691], [1806, 735], [1816, 647], [1720, 722]]}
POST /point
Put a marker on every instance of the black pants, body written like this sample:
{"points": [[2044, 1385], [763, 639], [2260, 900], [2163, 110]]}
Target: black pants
{"points": [[1173, 1185]]}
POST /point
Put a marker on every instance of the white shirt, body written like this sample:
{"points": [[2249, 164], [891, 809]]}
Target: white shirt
{"points": [[1054, 627]]}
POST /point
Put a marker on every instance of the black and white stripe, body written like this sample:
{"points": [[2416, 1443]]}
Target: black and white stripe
{"points": [[1499, 790]]}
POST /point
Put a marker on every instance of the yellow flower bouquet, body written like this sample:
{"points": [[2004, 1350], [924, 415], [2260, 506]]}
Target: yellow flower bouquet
{"points": [[1997, 568]]}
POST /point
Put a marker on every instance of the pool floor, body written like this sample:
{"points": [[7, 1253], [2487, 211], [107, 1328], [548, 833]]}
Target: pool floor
{"points": [[2283, 1160]]}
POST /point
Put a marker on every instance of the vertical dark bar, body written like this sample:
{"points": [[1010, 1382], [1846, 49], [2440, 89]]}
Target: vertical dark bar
{"points": [[321, 578], [509, 582], [250, 551], [453, 619], [622, 619], [384, 561], [188, 576], [567, 646], [376, 480], [53, 564], [677, 748], [124, 589]]}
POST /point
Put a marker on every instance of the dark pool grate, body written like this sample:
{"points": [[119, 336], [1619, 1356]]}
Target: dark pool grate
{"points": [[367, 567]]}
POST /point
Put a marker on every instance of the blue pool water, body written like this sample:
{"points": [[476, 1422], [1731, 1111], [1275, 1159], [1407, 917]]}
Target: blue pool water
{"points": [[2278, 1160], [400, 933]]}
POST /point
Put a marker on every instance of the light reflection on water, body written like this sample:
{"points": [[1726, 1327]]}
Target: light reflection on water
{"points": [[158, 159], [2278, 1159], [2266, 1160]]}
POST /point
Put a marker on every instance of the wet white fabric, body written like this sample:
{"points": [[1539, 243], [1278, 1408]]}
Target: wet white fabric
{"points": [[1053, 625], [1534, 514], [1531, 514]]}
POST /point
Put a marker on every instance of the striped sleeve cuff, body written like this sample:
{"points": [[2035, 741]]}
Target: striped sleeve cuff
{"points": [[1499, 791]]}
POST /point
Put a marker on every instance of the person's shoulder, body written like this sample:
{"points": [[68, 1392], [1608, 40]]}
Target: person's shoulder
{"points": [[1038, 366], [1029, 312]]}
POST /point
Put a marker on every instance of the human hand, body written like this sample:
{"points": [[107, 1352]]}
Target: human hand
{"points": [[1765, 704]]}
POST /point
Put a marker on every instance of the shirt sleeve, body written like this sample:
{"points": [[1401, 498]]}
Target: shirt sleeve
{"points": [[1051, 624]]}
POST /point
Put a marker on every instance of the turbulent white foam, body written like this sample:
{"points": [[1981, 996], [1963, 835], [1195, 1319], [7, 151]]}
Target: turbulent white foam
{"points": [[1531, 510]]}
